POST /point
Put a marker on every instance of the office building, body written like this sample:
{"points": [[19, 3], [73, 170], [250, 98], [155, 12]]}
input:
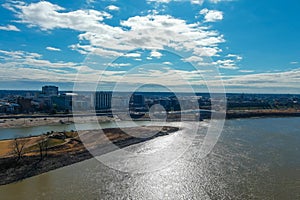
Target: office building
{"points": [[103, 100]]}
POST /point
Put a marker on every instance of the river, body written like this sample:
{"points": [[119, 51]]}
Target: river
{"points": [[10, 133], [253, 159]]}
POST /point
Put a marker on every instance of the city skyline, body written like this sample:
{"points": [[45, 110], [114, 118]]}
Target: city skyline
{"points": [[254, 45]]}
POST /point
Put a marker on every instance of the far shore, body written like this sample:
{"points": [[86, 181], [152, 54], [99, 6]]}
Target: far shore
{"points": [[234, 114], [66, 148], [19, 121]]}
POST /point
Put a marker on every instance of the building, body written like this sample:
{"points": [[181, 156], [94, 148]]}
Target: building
{"points": [[50, 90], [120, 103], [9, 108], [25, 104], [62, 102], [80, 105], [82, 102], [103, 100], [138, 100]]}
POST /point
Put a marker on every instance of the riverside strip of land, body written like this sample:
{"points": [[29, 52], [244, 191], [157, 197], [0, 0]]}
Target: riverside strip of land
{"points": [[234, 114], [11, 121], [26, 157]]}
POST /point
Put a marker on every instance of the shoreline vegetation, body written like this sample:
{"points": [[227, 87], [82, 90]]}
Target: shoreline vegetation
{"points": [[26, 157], [252, 113]]}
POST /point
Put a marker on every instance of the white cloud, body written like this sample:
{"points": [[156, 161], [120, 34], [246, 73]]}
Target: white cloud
{"points": [[193, 59], [207, 51], [31, 66], [167, 63], [49, 16], [226, 64], [166, 76], [199, 2], [159, 1], [246, 71], [234, 56], [22, 58], [211, 15], [90, 2], [43, 70], [53, 49], [146, 32], [132, 55], [9, 28], [155, 54], [218, 1], [287, 79], [143, 32], [85, 49], [113, 7], [119, 64], [150, 32]]}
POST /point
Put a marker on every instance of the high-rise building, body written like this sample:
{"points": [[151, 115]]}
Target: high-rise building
{"points": [[49, 90], [103, 100]]}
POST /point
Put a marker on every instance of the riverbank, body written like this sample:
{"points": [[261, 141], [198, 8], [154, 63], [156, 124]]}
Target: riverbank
{"points": [[66, 148], [19, 121], [26, 121], [235, 114]]}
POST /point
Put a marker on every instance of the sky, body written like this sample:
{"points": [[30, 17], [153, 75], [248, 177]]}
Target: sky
{"points": [[247, 46]]}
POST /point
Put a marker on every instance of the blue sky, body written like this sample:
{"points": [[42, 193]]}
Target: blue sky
{"points": [[249, 46]]}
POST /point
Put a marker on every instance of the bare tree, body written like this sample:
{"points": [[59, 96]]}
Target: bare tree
{"points": [[18, 147], [43, 147]]}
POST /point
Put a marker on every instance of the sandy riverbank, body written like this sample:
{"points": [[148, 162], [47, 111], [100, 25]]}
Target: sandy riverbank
{"points": [[40, 121], [18, 121], [69, 150]]}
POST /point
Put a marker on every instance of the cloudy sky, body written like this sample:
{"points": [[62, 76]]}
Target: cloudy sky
{"points": [[249, 45]]}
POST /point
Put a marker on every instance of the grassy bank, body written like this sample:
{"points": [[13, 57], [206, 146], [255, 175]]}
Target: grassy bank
{"points": [[66, 148]]}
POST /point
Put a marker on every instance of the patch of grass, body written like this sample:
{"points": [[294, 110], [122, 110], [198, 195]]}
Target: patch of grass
{"points": [[52, 142], [71, 134]]}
